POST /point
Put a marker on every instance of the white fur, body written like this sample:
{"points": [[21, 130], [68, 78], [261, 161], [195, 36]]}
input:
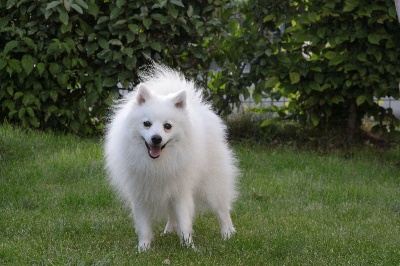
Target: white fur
{"points": [[195, 166]]}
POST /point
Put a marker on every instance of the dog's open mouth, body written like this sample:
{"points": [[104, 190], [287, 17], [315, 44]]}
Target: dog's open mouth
{"points": [[154, 150]]}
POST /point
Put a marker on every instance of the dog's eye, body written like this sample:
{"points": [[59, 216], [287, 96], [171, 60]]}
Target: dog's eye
{"points": [[167, 126], [147, 124]]}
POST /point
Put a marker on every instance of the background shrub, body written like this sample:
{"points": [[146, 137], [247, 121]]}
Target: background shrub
{"points": [[61, 61]]}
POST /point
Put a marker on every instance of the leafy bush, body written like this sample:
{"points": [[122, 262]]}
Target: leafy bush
{"points": [[244, 51], [340, 57], [61, 61], [334, 60]]}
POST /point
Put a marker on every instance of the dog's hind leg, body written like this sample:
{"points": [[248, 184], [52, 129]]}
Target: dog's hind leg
{"points": [[227, 229], [220, 205], [171, 224]]}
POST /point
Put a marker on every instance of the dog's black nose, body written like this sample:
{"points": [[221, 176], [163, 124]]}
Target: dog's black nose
{"points": [[156, 139]]}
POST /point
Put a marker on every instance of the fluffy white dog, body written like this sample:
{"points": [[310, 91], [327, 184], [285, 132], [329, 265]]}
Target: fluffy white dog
{"points": [[166, 154]]}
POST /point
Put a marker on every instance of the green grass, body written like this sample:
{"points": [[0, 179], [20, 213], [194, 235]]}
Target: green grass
{"points": [[297, 207]]}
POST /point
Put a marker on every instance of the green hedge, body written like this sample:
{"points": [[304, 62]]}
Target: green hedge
{"points": [[352, 60], [61, 61]]}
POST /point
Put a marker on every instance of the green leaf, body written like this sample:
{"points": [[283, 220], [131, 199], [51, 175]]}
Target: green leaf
{"points": [[93, 9], [270, 121], [102, 19], [285, 61], [54, 95], [34, 122], [67, 4], [271, 82], [48, 13], [294, 77], [130, 62], [120, 3], [362, 57], [91, 48], [3, 63], [54, 69], [15, 65], [147, 22], [360, 100], [21, 113], [190, 11], [10, 3], [30, 111], [128, 51], [269, 17], [9, 46], [10, 90], [40, 67], [315, 86], [28, 99], [18, 95], [177, 3], [336, 60], [337, 99], [115, 42], [77, 8], [110, 82], [378, 56], [314, 119], [350, 5], [330, 55], [257, 97], [312, 16], [142, 37], [163, 19], [82, 4], [4, 21], [105, 54], [63, 80], [52, 4], [103, 43], [173, 12], [392, 12], [115, 12], [28, 62], [63, 17], [87, 29], [28, 41], [134, 28], [120, 22], [374, 38], [156, 46]]}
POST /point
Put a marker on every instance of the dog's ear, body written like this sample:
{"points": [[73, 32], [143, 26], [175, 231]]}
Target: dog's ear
{"points": [[179, 100], [143, 94]]}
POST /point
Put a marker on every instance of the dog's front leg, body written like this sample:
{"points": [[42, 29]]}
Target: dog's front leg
{"points": [[184, 210], [143, 228]]}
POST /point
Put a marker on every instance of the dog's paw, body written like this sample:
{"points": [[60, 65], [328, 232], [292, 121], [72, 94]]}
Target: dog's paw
{"points": [[226, 234], [188, 245], [143, 247], [167, 231]]}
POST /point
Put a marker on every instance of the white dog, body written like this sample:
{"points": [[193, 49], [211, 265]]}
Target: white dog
{"points": [[166, 152]]}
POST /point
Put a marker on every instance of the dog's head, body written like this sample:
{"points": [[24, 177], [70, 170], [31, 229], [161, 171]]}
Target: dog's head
{"points": [[161, 119]]}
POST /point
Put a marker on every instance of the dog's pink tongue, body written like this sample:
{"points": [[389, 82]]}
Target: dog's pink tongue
{"points": [[155, 151]]}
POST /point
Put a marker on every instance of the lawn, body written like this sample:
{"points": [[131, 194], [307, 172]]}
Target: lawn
{"points": [[296, 207]]}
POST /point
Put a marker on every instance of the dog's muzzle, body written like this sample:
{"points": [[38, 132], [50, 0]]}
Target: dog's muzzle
{"points": [[154, 149]]}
